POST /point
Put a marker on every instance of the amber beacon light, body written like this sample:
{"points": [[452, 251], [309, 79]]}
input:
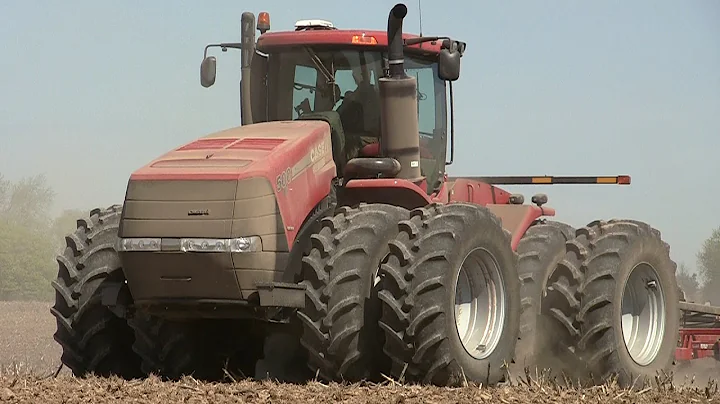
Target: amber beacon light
{"points": [[263, 23]]}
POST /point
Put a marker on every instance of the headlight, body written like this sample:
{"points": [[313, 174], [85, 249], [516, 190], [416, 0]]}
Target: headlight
{"points": [[139, 244], [235, 245]]}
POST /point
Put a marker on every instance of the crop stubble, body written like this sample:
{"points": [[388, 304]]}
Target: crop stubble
{"points": [[29, 356]]}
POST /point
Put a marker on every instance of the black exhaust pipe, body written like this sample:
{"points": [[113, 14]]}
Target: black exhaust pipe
{"points": [[396, 59], [400, 137]]}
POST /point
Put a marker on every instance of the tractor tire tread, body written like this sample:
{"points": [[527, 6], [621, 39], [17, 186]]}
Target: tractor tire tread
{"points": [[339, 334], [597, 253], [413, 320], [539, 251], [93, 339]]}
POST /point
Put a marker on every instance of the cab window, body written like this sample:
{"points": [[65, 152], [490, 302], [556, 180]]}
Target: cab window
{"points": [[303, 88]]}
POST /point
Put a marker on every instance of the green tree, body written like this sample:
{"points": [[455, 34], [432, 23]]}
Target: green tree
{"points": [[4, 190], [27, 249], [27, 201], [709, 266], [688, 282], [27, 263]]}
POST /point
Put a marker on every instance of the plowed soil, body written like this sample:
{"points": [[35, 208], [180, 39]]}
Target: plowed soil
{"points": [[64, 390], [29, 357]]}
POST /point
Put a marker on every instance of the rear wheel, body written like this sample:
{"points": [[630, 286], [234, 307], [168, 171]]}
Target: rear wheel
{"points": [[450, 294], [341, 311], [93, 339], [625, 315]]}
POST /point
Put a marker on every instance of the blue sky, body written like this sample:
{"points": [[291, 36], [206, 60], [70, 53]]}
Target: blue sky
{"points": [[556, 87]]}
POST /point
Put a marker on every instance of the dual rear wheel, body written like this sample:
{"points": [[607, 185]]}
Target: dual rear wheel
{"points": [[611, 307], [432, 290], [450, 295]]}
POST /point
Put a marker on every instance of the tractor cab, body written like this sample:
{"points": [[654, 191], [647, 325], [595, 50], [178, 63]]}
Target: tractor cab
{"points": [[318, 71]]}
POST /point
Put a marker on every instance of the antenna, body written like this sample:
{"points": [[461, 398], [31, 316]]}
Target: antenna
{"points": [[420, 15]]}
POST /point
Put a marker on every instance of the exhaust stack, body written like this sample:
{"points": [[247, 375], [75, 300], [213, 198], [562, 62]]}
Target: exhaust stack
{"points": [[400, 137], [247, 38]]}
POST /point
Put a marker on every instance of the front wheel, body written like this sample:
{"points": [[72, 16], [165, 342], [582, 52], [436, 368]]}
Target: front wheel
{"points": [[341, 312], [451, 297], [93, 339]]}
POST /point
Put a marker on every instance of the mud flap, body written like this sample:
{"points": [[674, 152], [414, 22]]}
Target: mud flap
{"points": [[279, 294], [116, 297]]}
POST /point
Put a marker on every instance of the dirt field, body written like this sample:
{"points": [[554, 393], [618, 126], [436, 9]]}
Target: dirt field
{"points": [[69, 391], [29, 356], [26, 342]]}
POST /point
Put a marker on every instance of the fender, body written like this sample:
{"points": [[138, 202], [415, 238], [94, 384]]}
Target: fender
{"points": [[518, 218], [392, 191], [311, 225], [515, 218], [468, 190]]}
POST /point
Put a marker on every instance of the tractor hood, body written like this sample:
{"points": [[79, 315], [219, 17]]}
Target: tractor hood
{"points": [[256, 183], [260, 149]]}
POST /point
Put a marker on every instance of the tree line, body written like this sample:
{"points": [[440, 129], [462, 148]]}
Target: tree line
{"points": [[703, 286], [31, 238]]}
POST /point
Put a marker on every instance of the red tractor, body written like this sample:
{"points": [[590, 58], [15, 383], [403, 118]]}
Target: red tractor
{"points": [[324, 234]]}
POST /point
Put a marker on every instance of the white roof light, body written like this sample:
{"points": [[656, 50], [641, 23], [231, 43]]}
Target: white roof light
{"points": [[313, 24]]}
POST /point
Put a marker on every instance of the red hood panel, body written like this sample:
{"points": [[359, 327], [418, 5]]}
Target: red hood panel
{"points": [[236, 153]]}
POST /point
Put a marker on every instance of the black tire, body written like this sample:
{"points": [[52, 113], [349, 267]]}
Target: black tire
{"points": [[93, 339], [597, 265], [340, 317], [418, 293], [203, 348], [540, 250]]}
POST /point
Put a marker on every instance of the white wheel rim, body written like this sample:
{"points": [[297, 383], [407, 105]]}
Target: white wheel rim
{"points": [[479, 303], [643, 314]]}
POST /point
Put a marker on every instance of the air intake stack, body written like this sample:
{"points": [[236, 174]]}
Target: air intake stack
{"points": [[398, 104]]}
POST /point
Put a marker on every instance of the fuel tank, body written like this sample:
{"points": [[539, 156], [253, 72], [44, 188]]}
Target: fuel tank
{"points": [[214, 217]]}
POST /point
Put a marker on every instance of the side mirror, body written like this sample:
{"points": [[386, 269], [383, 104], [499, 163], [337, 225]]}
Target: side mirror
{"points": [[207, 71], [449, 65]]}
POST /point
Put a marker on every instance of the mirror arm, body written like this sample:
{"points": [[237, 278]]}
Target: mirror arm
{"points": [[423, 39], [223, 46]]}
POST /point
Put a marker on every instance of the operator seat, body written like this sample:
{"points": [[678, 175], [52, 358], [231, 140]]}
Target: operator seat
{"points": [[360, 115]]}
